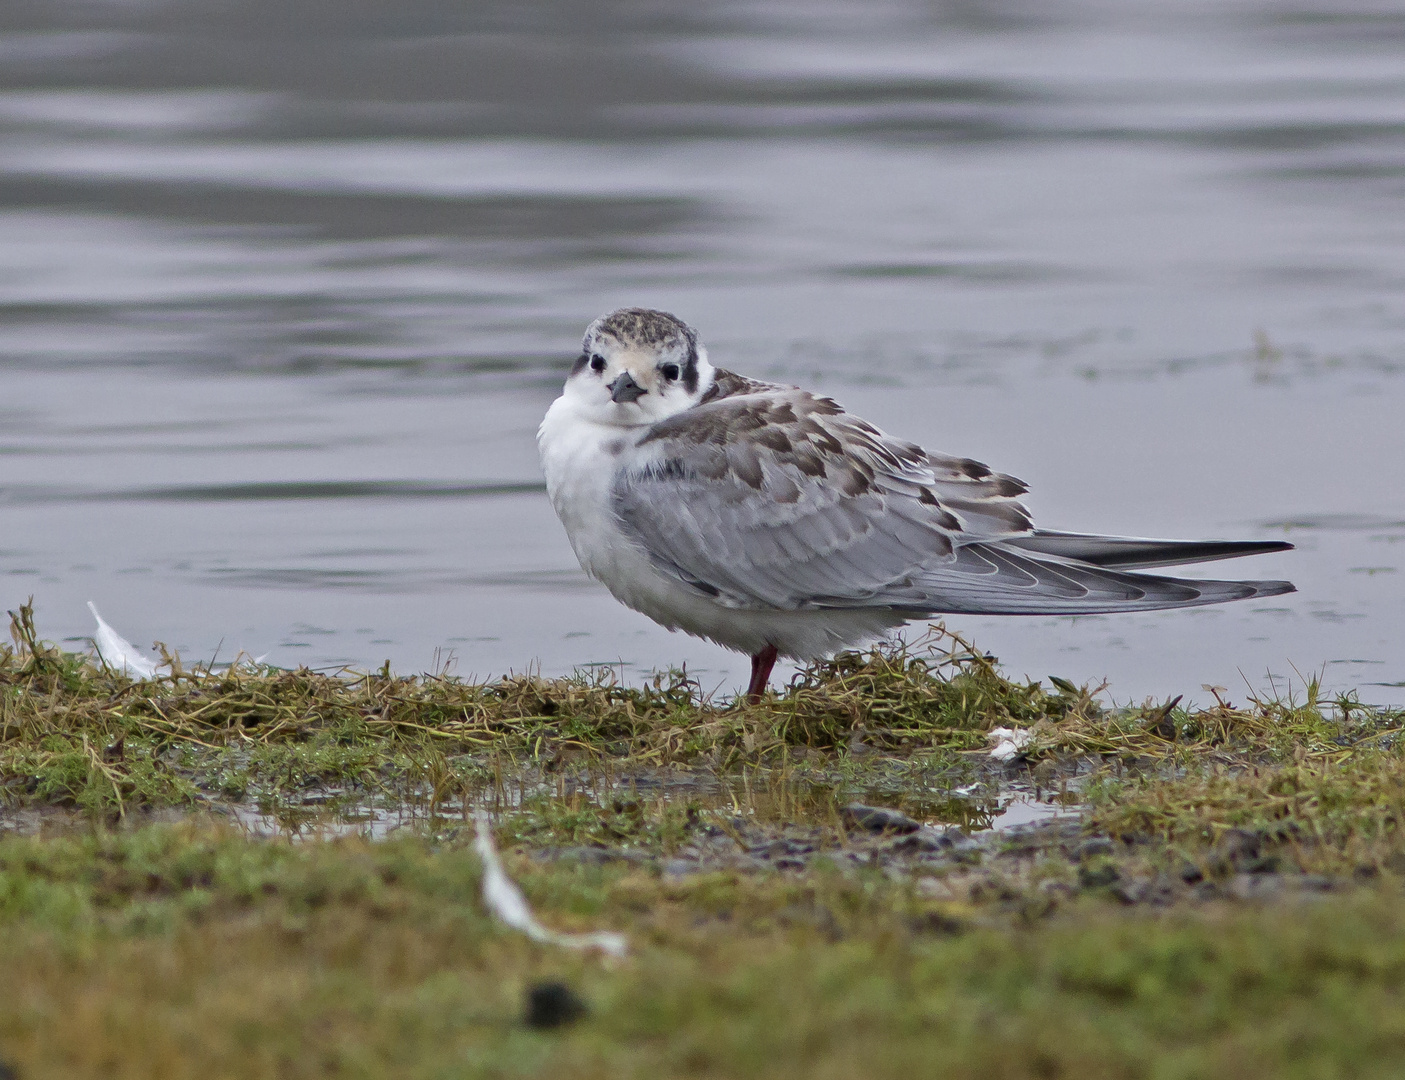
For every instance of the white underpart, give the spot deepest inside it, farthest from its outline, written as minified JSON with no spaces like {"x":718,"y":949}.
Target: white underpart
{"x":505,"y":900}
{"x":118,"y":653}
{"x":581,"y":457}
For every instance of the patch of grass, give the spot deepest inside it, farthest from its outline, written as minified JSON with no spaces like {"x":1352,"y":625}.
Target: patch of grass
{"x":72,"y":731}
{"x":75,"y":733}
{"x":184,"y":951}
{"x":1270,"y":726}
{"x":904,"y":724}
{"x":1328,"y":814}
{"x":658,"y":827}
{"x":903,"y":696}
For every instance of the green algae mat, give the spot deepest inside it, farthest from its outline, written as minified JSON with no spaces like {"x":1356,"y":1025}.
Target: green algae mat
{"x":262,"y":873}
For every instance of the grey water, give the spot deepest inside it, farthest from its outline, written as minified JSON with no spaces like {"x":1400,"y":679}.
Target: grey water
{"x":285,"y":288}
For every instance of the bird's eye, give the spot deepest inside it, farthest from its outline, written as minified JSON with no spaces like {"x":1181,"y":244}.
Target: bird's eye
{"x":597,"y":363}
{"x":669,"y":371}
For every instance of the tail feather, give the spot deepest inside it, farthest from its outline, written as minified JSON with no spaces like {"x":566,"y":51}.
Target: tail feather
{"x":1131,"y":553}
{"x":993,"y":579}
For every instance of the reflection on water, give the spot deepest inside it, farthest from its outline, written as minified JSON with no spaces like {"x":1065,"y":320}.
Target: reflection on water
{"x":1026,"y":811}
{"x":758,"y":798}
{"x":285,"y":288}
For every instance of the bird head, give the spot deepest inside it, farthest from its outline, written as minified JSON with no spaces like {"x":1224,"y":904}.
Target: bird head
{"x":638,"y":367}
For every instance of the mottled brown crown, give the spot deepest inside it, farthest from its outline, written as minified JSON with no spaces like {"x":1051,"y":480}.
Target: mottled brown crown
{"x":643,"y":326}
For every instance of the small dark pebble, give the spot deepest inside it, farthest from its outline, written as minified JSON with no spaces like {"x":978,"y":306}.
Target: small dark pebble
{"x":1097,"y":875}
{"x":776,"y":849}
{"x":960,"y":841}
{"x":964,"y":849}
{"x":925,"y":839}
{"x":1093,"y":847}
{"x":877,"y":819}
{"x":553,"y":1005}
{"x":1026,"y":839}
{"x":1190,"y":873}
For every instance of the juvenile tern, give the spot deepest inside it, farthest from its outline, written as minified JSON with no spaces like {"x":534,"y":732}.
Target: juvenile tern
{"x":769,"y":520}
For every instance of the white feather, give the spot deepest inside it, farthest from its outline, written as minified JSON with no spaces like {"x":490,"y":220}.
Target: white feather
{"x":118,"y":653}
{"x":505,"y":900}
{"x":1008,"y":741}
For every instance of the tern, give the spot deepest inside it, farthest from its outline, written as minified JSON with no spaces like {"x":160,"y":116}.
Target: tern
{"x":771,"y":521}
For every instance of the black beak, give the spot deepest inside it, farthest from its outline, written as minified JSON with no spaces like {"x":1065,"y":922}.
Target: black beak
{"x":626,"y":389}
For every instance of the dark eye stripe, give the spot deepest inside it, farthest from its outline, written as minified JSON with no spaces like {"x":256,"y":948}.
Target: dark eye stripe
{"x":690,"y":366}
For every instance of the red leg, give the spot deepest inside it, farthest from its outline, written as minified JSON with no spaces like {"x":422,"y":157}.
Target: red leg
{"x":761,"y":665}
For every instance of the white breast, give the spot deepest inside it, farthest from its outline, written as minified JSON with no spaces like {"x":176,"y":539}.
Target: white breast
{"x":581,"y":459}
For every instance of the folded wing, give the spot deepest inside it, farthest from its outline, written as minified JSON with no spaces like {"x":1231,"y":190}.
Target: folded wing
{"x":769,"y":497}
{"x":776,"y":498}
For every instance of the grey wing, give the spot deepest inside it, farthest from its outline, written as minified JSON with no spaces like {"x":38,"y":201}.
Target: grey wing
{"x":779,"y":499}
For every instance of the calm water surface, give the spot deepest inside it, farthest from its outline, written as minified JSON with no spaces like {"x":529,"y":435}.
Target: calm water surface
{"x":285,"y":288}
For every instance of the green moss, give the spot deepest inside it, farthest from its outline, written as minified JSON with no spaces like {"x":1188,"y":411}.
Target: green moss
{"x":192,"y":951}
